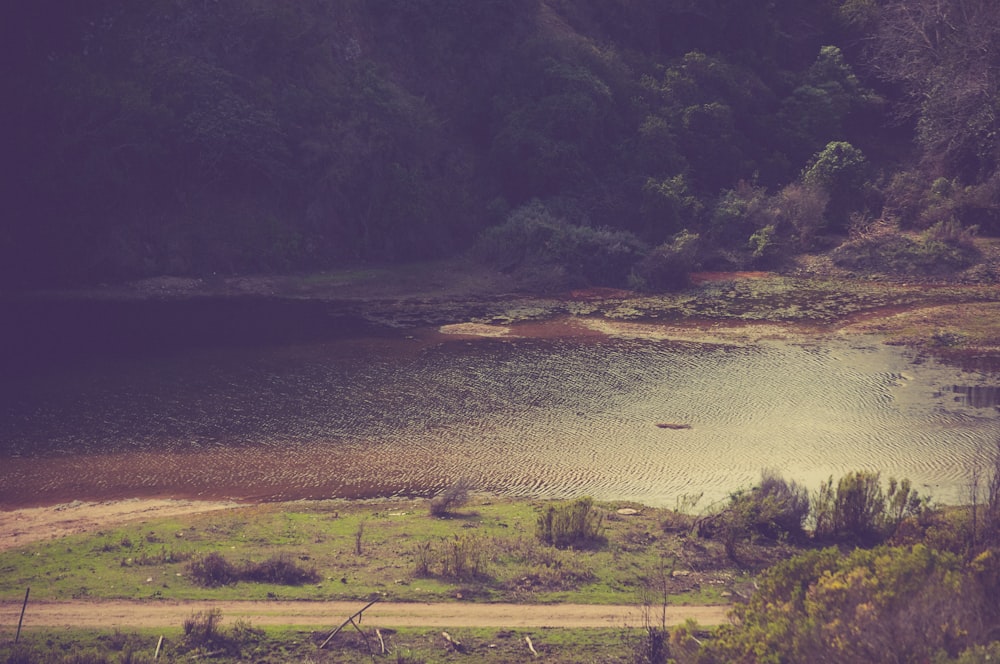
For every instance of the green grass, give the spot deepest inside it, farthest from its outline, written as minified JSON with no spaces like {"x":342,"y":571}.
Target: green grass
{"x":280,"y":644}
{"x":504,"y":560}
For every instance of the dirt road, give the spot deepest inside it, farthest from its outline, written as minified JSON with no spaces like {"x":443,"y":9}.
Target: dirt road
{"x":330,"y":614}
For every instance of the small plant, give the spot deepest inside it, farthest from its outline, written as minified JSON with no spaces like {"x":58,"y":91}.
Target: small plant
{"x":460,"y":558}
{"x":359,"y":534}
{"x":202,"y":629}
{"x":213,"y":571}
{"x":278,"y":570}
{"x":451,"y":498}
{"x":577,"y":524}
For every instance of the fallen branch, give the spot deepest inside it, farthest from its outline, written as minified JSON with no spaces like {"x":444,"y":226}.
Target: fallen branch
{"x":349,"y":621}
{"x":531,"y":646}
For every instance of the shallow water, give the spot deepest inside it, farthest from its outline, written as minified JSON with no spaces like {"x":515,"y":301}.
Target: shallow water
{"x":551,"y":417}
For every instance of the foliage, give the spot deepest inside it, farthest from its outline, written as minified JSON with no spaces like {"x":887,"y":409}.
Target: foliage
{"x":941,"y":54}
{"x":776,"y":508}
{"x":841,"y":170}
{"x":891,"y":604}
{"x":203,"y":631}
{"x":451,"y":498}
{"x":577,"y":524}
{"x":460,"y":558}
{"x":194,"y":137}
{"x":533,"y":238}
{"x":859,"y":511}
{"x":214,"y":570}
{"x":668,"y":266}
{"x":900,"y":254}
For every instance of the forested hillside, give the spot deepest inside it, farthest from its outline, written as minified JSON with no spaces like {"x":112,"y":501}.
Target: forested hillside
{"x":607,"y":141}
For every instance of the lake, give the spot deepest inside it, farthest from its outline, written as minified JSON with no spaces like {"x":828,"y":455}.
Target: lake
{"x":558,"y":409}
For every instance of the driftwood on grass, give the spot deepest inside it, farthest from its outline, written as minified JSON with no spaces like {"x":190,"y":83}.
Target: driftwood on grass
{"x":531,"y":646}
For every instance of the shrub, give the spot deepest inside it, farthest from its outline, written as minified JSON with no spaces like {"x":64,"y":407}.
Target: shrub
{"x":461,"y":558}
{"x":899,"y":254}
{"x":951,"y":232}
{"x":215,"y":570}
{"x":212,"y":571}
{"x":668,"y":266}
{"x":737,"y":213}
{"x":202,"y":629}
{"x":577,"y":524}
{"x":451,"y":498}
{"x":784,"y":505}
{"x":801,"y":207}
{"x":901,"y":604}
{"x":858,"y":506}
{"x":841,"y":170}
{"x":278,"y":570}
{"x":533,"y":241}
{"x":859,"y":511}
{"x":765,"y":245}
{"x":776,"y":508}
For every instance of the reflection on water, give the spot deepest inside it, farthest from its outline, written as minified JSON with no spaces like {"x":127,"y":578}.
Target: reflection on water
{"x":977,"y":396}
{"x":540,"y":417}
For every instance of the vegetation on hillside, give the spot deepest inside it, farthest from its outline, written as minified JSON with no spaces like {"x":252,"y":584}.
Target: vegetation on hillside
{"x":193,"y":137}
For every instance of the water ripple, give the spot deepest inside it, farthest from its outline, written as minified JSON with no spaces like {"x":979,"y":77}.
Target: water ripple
{"x":519,"y":416}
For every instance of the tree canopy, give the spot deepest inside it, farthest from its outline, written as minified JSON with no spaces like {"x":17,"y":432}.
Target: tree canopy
{"x":189,"y":137}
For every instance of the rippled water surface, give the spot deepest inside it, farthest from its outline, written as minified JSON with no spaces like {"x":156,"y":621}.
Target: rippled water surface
{"x":540,"y":417}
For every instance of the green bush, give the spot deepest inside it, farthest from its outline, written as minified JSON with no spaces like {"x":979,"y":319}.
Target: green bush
{"x":774,"y":509}
{"x":899,"y":254}
{"x":577,"y":524}
{"x":841,"y":170}
{"x":214,"y":570}
{"x":459,"y":558}
{"x":859,"y":506}
{"x":899,"y":604}
{"x":278,"y":570}
{"x":668,"y":266}
{"x":533,"y":240}
{"x":203,"y":631}
{"x":859,"y":511}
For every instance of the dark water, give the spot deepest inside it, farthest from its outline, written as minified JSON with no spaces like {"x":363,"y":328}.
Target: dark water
{"x":524,"y":416}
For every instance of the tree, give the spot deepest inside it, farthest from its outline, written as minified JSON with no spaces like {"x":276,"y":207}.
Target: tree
{"x":944,"y":55}
{"x":841,"y":170}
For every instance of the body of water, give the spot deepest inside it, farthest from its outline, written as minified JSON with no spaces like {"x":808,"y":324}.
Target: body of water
{"x":550,"y":416}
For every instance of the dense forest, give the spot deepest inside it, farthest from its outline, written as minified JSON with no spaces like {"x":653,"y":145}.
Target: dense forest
{"x":607,"y":141}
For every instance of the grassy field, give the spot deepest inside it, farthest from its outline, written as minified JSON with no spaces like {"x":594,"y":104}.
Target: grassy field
{"x":485,"y":551}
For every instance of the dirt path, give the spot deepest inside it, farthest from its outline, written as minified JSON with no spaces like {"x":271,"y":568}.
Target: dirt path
{"x":127,"y":614}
